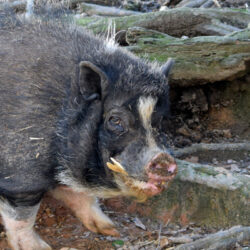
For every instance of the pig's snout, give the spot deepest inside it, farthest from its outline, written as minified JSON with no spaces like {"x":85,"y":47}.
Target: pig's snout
{"x":162,"y":167}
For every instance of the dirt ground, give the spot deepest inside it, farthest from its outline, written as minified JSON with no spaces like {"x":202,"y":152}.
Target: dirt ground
{"x":63,"y":231}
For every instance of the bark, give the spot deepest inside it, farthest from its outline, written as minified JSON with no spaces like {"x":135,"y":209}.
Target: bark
{"x":214,"y":177}
{"x":179,"y":22}
{"x":101,"y":2}
{"x":191,"y":3}
{"x":199,"y":60}
{"x":93,"y":9}
{"x":218,"y":147}
{"x":201,"y":194}
{"x":221,"y":240}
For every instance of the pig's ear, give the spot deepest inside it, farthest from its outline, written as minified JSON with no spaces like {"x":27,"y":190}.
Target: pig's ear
{"x":92,"y":81}
{"x":167,"y":67}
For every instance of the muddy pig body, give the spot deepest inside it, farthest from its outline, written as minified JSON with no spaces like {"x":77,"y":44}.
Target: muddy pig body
{"x":80,"y":118}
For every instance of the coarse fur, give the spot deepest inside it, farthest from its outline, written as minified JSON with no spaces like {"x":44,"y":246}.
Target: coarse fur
{"x":68,"y":102}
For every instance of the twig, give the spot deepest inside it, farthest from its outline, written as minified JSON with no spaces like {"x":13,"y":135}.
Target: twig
{"x":145,"y":243}
{"x":159,"y":237}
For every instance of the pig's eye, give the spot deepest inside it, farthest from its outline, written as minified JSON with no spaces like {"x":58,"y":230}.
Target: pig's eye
{"x":115,"y":124}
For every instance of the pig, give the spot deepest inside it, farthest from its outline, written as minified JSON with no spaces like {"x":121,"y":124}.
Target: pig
{"x":80,"y":118}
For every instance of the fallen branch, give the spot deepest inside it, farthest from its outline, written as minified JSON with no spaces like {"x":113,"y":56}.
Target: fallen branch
{"x":191,"y":3}
{"x":74,"y":3}
{"x":203,"y":147}
{"x":221,"y":240}
{"x":93,"y":9}
{"x":214,"y":177}
{"x":179,"y":22}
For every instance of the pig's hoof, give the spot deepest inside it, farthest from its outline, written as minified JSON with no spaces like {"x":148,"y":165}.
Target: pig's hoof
{"x":29,"y":241}
{"x":101,"y":225}
{"x":98,"y":222}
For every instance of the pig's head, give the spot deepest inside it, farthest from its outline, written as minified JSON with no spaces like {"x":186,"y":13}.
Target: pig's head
{"x":130,"y":146}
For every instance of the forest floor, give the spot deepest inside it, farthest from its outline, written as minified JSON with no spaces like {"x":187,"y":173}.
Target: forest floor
{"x":63,"y":231}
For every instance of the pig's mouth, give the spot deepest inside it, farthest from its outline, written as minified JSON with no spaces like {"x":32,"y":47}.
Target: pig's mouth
{"x":160,"y":170}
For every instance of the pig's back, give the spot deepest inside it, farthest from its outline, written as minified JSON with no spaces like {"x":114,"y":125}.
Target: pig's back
{"x":35,"y":67}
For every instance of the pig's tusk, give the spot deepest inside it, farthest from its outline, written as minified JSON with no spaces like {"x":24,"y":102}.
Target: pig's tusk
{"x":116,"y":167}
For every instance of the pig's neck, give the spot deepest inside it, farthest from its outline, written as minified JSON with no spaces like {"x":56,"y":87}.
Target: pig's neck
{"x":77,"y":146}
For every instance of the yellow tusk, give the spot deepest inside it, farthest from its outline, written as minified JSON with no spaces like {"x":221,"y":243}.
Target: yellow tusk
{"x":116,"y":167}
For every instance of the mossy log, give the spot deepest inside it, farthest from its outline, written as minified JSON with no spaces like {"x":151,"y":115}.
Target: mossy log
{"x":199,"y":60}
{"x":202,"y":194}
{"x":178,"y":22}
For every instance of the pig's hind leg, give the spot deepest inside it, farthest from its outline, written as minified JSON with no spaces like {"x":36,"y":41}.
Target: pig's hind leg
{"x":87,"y":209}
{"x":19,"y":223}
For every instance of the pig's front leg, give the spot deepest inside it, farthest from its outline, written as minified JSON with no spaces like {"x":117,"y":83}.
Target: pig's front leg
{"x":19,"y":223}
{"x":87,"y":209}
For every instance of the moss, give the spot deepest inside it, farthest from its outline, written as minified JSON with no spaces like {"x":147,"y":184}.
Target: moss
{"x":203,"y":205}
{"x":207,"y":171}
{"x":84,"y":21}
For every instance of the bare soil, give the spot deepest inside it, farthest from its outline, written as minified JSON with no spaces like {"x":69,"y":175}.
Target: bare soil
{"x":57,"y":226}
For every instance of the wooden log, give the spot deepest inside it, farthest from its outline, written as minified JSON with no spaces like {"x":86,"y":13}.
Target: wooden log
{"x":201,"y":194}
{"x":195,"y":3}
{"x":217,"y":147}
{"x":178,"y":22}
{"x":221,"y":240}
{"x":214,"y":177}
{"x":198,"y":60}
{"x":94,"y":9}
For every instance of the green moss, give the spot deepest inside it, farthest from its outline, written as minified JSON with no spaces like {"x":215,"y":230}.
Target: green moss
{"x":207,"y":171}
{"x":84,"y":21}
{"x":203,"y":205}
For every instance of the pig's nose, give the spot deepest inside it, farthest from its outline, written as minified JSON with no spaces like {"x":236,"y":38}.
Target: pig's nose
{"x":162,"y":165}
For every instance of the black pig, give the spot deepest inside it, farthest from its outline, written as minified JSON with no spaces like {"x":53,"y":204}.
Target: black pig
{"x":80,"y":118}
